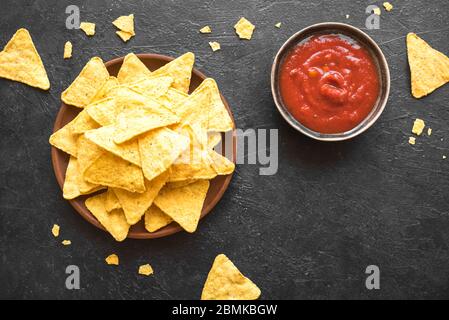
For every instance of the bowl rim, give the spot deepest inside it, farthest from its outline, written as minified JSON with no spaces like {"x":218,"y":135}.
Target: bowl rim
{"x":171,"y":228}
{"x":384,"y":90}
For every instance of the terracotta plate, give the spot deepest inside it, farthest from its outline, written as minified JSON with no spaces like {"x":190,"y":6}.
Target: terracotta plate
{"x":60,"y":160}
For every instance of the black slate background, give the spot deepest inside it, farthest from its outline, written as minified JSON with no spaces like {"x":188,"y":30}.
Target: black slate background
{"x":307,"y":232}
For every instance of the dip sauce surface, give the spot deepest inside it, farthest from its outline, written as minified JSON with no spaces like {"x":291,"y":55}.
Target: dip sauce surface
{"x":329,"y":83}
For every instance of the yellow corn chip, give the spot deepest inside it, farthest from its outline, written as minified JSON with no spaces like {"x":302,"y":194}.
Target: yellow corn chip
{"x":125,"y":36}
{"x":114,"y":222}
{"x":146,"y":270}
{"x":215,"y":46}
{"x":87,"y":84}
{"x":128,"y":151}
{"x":226,"y":282}
{"x":222,"y":165}
{"x":83,"y":122}
{"x":112,"y":259}
{"x":159,"y":149}
{"x":88,"y":28}
{"x":172,"y":98}
{"x":132,"y":70}
{"x":20,"y":61}
{"x":244,"y":29}
{"x":206,"y":29}
{"x":125,"y":23}
{"x":153,"y":87}
{"x":214,"y":138}
{"x":105,"y":88}
{"x":111,"y":202}
{"x":88,"y":153}
{"x":155,"y":219}
{"x":103,"y":111}
{"x":184,"y":204}
{"x":112,"y":171}
{"x":73,"y":180}
{"x":68,"y":47}
{"x":180,"y":70}
{"x":64,"y":139}
{"x":194,"y":110}
{"x":179,"y":184}
{"x":429,"y":68}
{"x":55,"y":230}
{"x":135,"y":204}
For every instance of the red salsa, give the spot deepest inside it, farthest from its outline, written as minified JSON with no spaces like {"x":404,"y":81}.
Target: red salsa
{"x":329,"y":83}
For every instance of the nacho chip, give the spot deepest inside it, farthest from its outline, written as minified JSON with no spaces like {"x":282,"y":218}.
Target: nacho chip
{"x":64,"y":139}
{"x":128,"y":151}
{"x":87,"y":84}
{"x":83,"y":122}
{"x":215,"y":46}
{"x":125,"y":36}
{"x":206,"y":29}
{"x":112,"y":171}
{"x":20,"y":61}
{"x":88,"y":153}
{"x":112,"y":260}
{"x":135,"y":204}
{"x":156,"y":219}
{"x":172,"y":98}
{"x":103,"y":111}
{"x":195,"y":109}
{"x":146,"y":270}
{"x":114,"y":222}
{"x":184,"y":204}
{"x":429,"y":68}
{"x":88,"y":28}
{"x":153,"y":87}
{"x":418,"y":127}
{"x":244,"y":29}
{"x":111,"y":202}
{"x":226,"y":282}
{"x":159,"y":149}
{"x":214,"y":138}
{"x":105,"y":88}
{"x":179,"y":184}
{"x":125,"y":23}
{"x":66,"y":242}
{"x":55,"y":230}
{"x":68,"y":47}
{"x":180,"y":70}
{"x":222,"y":165}
{"x":132,"y":70}
{"x":74,"y":181}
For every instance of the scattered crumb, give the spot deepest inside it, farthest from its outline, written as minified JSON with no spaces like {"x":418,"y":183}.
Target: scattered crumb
{"x":347,"y":16}
{"x":377,"y":11}
{"x":55,"y":230}
{"x":215,"y":46}
{"x":112,"y":259}
{"x":412,"y":140}
{"x":388,"y":6}
{"x":429,"y":132}
{"x":244,"y":29}
{"x":418,"y":127}
{"x":88,"y":28}
{"x":206,"y":29}
{"x":444,"y":157}
{"x":66,"y":242}
{"x":278,"y":25}
{"x":146,"y":270}
{"x":68,"y":50}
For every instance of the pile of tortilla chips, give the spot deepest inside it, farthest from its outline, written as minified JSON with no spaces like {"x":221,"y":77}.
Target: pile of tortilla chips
{"x":142,"y":139}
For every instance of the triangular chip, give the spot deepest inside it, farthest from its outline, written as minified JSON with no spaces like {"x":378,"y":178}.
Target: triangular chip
{"x":20,"y":61}
{"x":105,"y":88}
{"x":184,"y":204}
{"x":132,"y":70}
{"x":83,"y":122}
{"x":180,"y":70}
{"x":159,"y":148}
{"x":429,"y":67}
{"x":194,"y":110}
{"x":128,"y":151}
{"x":125,"y":36}
{"x":87,"y":84}
{"x":111,"y":201}
{"x":226,"y":282}
{"x":114,"y":222}
{"x":112,"y":171}
{"x":103,"y":111}
{"x":153,"y":87}
{"x":135,"y":204}
{"x":64,"y":139}
{"x":155,"y":219}
{"x":74,"y":182}
{"x":222,"y":165}
{"x":87,"y":153}
{"x":125,"y":23}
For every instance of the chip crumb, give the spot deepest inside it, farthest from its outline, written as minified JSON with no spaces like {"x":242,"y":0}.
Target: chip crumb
{"x":278,"y":25}
{"x":347,"y":16}
{"x":377,"y":11}
{"x":66,"y":242}
{"x":418,"y":127}
{"x":429,"y":132}
{"x":68,"y":50}
{"x":215,"y":46}
{"x":444,"y":157}
{"x":88,"y":28}
{"x":112,"y":259}
{"x":412,"y":140}
{"x":55,"y":230}
{"x":206,"y":29}
{"x":244,"y":29}
{"x":388,"y":6}
{"x":146,"y":270}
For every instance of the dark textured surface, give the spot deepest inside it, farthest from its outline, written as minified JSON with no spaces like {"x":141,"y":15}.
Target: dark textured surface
{"x":307,"y":232}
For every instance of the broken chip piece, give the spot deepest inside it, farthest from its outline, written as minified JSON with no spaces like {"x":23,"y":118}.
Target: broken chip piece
{"x":68,"y":50}
{"x":278,"y":25}
{"x":66,"y":242}
{"x":377,"y":11}
{"x":55,"y":230}
{"x":112,"y":259}
{"x":429,"y":132}
{"x":418,"y":127}
{"x":88,"y":28}
{"x":125,"y":23}
{"x":215,"y":46}
{"x":146,"y":270}
{"x":206,"y":29}
{"x":388,"y":6}
{"x":244,"y":29}
{"x":412,"y":140}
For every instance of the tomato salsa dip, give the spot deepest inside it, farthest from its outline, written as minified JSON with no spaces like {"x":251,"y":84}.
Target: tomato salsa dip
{"x":329,"y":83}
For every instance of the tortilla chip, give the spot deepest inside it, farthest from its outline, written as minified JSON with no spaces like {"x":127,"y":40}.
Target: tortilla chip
{"x":111,"y":202}
{"x":88,"y":153}
{"x":153,"y":87}
{"x":105,"y":88}
{"x":125,"y":36}
{"x":55,"y":230}
{"x":112,"y":259}
{"x":215,"y":46}
{"x":88,"y":28}
{"x":73,"y":180}
{"x":128,"y":151}
{"x":83,"y":122}
{"x":159,"y":149}
{"x":103,"y":111}
{"x":64,"y":139}
{"x":222,"y":165}
{"x":87,"y":84}
{"x":184,"y":204}
{"x":180,"y":70}
{"x":146,"y":270}
{"x":194,"y":110}
{"x":125,"y":23}
{"x":114,"y":222}
{"x":244,"y":29}
{"x":156,"y":219}
{"x":214,"y":138}
{"x":132,"y":70}
{"x":20,"y":61}
{"x":172,"y":98}
{"x":226,"y":282}
{"x":206,"y":29}
{"x":68,"y":47}
{"x":135,"y":204}
{"x":429,"y":68}
{"x":418,"y":127}
{"x":112,"y":171}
